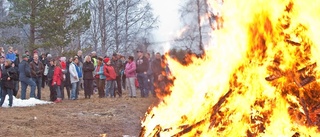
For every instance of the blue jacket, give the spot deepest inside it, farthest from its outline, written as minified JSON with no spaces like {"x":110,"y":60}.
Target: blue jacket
{"x":24,"y":70}
{"x":79,"y":71}
{"x":11,"y":56}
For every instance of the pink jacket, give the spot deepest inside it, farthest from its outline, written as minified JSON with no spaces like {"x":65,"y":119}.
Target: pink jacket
{"x":130,"y":69}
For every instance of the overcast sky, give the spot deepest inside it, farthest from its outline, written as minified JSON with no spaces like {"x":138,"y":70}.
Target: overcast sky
{"x":169,"y":21}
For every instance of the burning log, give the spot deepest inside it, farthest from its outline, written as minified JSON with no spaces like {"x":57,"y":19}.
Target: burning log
{"x":273,"y":77}
{"x":305,"y":75}
{"x":301,"y":78}
{"x":217,"y":106}
{"x":295,"y":43}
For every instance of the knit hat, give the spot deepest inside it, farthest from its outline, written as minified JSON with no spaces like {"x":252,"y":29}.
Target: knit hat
{"x":106,"y":60}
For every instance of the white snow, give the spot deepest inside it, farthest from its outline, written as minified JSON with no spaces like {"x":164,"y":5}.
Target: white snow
{"x":17,"y":102}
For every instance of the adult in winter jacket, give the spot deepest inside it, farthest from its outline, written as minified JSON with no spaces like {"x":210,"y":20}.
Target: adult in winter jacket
{"x":130,"y":72}
{"x":67,"y":83}
{"x":157,"y":70}
{"x":88,"y":69}
{"x":74,"y":78}
{"x":57,"y":79}
{"x":63,"y":64}
{"x":7,"y":74}
{"x":53,"y":94}
{"x":142,"y":64}
{"x":150,"y":75}
{"x":111,"y":75}
{"x":100,"y":77}
{"x":11,"y":55}
{"x":118,"y":67}
{"x":25,"y":77}
{"x":37,"y":69}
{"x":16,"y":67}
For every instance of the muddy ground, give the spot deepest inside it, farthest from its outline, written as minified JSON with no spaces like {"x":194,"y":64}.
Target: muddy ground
{"x":93,"y":117}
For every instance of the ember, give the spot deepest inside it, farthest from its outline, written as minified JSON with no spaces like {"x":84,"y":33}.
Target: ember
{"x":259,"y":79}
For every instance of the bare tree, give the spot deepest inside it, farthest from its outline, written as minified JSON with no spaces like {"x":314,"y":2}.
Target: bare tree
{"x":194,"y":15}
{"x":120,"y":24}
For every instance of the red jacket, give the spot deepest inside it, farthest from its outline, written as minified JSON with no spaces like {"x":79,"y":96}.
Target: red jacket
{"x":57,"y":76}
{"x":109,"y":72}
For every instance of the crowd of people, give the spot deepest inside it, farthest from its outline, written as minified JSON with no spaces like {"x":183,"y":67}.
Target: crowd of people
{"x":108,"y":76}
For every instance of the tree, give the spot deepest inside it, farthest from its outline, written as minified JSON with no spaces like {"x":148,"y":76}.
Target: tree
{"x":121,"y":24}
{"x":198,"y":18}
{"x":66,"y":23}
{"x":52,"y":24}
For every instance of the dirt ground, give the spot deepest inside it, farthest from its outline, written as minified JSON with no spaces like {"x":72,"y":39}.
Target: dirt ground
{"x":93,"y":117}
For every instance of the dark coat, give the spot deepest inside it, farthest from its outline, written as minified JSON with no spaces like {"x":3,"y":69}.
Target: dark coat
{"x":16,"y":63}
{"x":24,"y":70}
{"x":67,"y":82}
{"x":117,"y":65}
{"x":156,"y":67}
{"x":36,"y":69}
{"x":142,"y":65}
{"x":50,"y":73}
{"x":8,"y":71}
{"x":88,"y":69}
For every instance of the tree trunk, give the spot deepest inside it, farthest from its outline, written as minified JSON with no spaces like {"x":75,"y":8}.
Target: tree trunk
{"x":199,"y":24}
{"x":32,"y":24}
{"x":117,"y":33}
{"x":102,"y":23}
{"x":126,"y":29}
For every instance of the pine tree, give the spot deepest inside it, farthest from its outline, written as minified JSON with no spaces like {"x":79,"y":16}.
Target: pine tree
{"x":52,"y":24}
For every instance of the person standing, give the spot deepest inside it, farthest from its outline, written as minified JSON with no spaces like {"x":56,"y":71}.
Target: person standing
{"x":25,"y":77}
{"x":16,"y":67}
{"x":111,"y":75}
{"x":11,"y":55}
{"x":8,"y":75}
{"x":53,"y":94}
{"x":130,"y":72}
{"x":100,"y":77}
{"x":79,"y":54}
{"x":1,"y":69}
{"x":123,"y":76}
{"x":118,"y":66}
{"x":45,"y":63}
{"x":94,"y":58}
{"x":67,"y":83}
{"x":157,"y":70}
{"x":142,"y":68}
{"x":37,"y":69}
{"x":150,"y":75}
{"x":57,"y":79}
{"x":74,"y":78}
{"x":88,"y":68}
{"x":63,"y":65}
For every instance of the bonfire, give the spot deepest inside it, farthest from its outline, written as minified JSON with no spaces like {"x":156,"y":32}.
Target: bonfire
{"x":259,"y":76}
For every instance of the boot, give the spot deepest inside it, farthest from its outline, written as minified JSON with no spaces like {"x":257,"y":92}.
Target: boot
{"x":58,"y":100}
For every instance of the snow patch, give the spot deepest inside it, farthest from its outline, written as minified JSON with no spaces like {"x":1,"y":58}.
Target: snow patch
{"x":17,"y":102}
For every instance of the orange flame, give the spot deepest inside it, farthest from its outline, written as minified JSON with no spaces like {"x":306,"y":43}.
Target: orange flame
{"x":256,"y":81}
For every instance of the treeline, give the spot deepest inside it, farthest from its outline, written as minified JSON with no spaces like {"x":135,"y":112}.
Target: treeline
{"x":64,"y":26}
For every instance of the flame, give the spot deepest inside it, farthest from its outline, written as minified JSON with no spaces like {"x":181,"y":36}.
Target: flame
{"x":256,"y":80}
